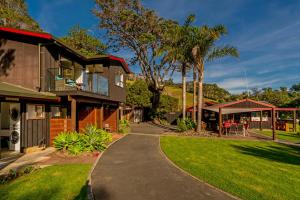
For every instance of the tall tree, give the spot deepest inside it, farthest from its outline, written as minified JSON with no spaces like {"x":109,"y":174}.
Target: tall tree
{"x":14,"y":14}
{"x":133,"y":27}
{"x":79,"y":39}
{"x":180,"y":51}
{"x":296,"y":87}
{"x":194,"y":92}
{"x":205,"y":50}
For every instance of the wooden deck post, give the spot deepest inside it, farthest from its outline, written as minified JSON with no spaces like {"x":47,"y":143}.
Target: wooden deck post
{"x":73,"y":114}
{"x":274,"y":123}
{"x":101,"y":117}
{"x":294,"y":121}
{"x":121,"y":113}
{"x":260,"y":122}
{"x":118,"y":117}
{"x":220,"y":122}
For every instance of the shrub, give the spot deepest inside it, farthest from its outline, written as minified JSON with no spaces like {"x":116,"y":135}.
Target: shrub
{"x":124,"y":126}
{"x":184,"y":125}
{"x":163,"y":122}
{"x":181,"y":126}
{"x":66,"y":139}
{"x":168,"y":103}
{"x":95,"y":139}
{"x":13,"y":174}
{"x":91,"y":139}
{"x":156,"y":114}
{"x":190,"y":123}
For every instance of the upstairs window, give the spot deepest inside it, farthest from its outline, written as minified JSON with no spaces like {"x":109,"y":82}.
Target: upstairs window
{"x":100,"y":84}
{"x":119,"y":80}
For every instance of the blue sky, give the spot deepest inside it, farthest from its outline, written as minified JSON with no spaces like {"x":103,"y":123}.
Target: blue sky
{"x":266,"y":32}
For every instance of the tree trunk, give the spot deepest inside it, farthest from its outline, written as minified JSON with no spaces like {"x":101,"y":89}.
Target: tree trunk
{"x":195,"y":93}
{"x":155,"y":99}
{"x":200,"y":100}
{"x":183,"y":91}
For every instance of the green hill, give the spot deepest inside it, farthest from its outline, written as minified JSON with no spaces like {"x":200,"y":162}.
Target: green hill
{"x":176,"y":92}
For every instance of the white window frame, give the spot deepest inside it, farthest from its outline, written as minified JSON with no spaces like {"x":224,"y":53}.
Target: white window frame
{"x":119,"y":83}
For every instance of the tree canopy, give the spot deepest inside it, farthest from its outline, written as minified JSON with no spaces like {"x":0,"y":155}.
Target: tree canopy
{"x":281,"y":97}
{"x":296,"y":87}
{"x":79,"y":39}
{"x":14,"y":14}
{"x":138,"y":29}
{"x":138,"y":94}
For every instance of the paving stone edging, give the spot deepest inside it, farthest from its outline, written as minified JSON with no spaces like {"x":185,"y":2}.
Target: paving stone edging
{"x":194,"y":177}
{"x":89,"y":179}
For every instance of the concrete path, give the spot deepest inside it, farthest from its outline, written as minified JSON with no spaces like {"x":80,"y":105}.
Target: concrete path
{"x":28,"y":159}
{"x":148,"y":128}
{"x":135,"y":169}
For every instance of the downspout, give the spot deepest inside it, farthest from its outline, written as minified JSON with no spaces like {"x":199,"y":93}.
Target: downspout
{"x":39,"y":68}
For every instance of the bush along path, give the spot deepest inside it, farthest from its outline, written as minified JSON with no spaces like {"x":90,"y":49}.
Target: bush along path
{"x":91,"y":139}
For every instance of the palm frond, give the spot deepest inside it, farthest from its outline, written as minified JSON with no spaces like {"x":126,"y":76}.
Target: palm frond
{"x":220,"y":52}
{"x":189,"y":20}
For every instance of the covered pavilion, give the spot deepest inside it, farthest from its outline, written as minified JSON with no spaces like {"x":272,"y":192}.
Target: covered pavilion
{"x":250,"y":106}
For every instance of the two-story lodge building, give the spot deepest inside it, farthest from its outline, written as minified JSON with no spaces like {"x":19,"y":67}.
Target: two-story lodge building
{"x":47,"y":87}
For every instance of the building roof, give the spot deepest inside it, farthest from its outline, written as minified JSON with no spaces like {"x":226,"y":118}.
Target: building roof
{"x":244,"y":105}
{"x":49,"y":37}
{"x":11,"y":90}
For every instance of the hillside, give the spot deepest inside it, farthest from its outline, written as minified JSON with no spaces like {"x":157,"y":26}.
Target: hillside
{"x":176,"y":92}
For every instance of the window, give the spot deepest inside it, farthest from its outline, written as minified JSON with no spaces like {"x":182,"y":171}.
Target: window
{"x":55,"y":112}
{"x":35,"y":111}
{"x":100,"y":84}
{"x":103,"y":85}
{"x":255,"y":116}
{"x":119,"y":80}
{"x":58,"y":112}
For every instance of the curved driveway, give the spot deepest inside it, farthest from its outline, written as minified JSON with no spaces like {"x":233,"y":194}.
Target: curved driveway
{"x":135,"y":169}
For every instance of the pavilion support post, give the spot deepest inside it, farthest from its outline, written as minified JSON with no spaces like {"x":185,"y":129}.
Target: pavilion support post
{"x":260,"y":121}
{"x":220,"y":122}
{"x":274,"y":123}
{"x":294,"y":121}
{"x":73,"y":114}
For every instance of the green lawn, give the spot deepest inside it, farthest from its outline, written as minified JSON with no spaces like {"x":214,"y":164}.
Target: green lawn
{"x":282,"y":135}
{"x":59,"y":182}
{"x":247,"y":169}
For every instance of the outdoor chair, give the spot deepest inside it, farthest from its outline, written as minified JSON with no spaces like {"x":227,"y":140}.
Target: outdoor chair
{"x":107,"y":128}
{"x":240,"y":129}
{"x":233,"y":129}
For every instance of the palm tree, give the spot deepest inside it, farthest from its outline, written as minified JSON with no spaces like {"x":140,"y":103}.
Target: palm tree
{"x":180,"y":50}
{"x":204,"y":51}
{"x":194,"y":92}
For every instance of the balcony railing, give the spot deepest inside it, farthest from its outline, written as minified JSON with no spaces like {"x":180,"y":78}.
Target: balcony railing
{"x":88,"y":82}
